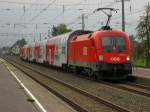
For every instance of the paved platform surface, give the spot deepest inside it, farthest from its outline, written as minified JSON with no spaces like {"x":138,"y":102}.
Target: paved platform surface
{"x":50,"y":102}
{"x":12,"y":96}
{"x":141,"y":72}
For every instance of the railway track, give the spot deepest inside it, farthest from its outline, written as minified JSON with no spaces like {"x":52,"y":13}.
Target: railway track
{"x":77,"y":98}
{"x":138,"y":85}
{"x":131,"y":87}
{"x":126,"y":86}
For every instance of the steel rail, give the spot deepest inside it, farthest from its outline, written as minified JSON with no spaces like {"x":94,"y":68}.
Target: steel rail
{"x":122,"y":87}
{"x":101,"y":100}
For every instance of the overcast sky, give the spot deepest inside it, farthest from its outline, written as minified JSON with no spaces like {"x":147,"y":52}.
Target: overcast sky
{"x":28,"y":18}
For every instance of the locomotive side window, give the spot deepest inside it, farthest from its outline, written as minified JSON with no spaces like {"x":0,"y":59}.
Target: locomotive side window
{"x":113,"y":44}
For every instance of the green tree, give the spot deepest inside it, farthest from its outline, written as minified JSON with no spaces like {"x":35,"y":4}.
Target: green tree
{"x":60,"y":29}
{"x":17,"y":45}
{"x":143,"y":29}
{"x":20,"y":43}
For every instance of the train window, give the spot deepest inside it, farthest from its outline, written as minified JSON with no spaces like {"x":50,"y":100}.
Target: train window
{"x":63,"y":50}
{"x":56,"y":50}
{"x":113,"y":44}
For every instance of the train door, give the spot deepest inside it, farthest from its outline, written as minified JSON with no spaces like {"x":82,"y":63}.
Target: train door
{"x":37,"y":51}
{"x":32,"y":58}
{"x":57,"y":56}
{"x":49,"y":56}
{"x":52,"y":54}
{"x":41,"y":54}
{"x":63,"y":54}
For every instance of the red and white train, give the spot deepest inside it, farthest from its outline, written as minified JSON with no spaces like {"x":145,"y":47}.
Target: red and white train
{"x":105,"y":54}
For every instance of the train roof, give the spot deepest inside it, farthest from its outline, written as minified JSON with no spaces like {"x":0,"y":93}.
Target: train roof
{"x":111,"y":31}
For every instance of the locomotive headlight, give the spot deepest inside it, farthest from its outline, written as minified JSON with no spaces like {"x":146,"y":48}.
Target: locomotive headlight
{"x":100,"y":57}
{"x":128,"y":58}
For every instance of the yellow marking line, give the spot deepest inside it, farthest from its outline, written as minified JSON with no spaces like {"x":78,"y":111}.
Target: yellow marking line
{"x":25,"y":88}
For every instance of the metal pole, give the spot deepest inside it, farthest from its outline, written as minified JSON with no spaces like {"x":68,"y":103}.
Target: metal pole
{"x":83,"y":24}
{"x":123,"y":17}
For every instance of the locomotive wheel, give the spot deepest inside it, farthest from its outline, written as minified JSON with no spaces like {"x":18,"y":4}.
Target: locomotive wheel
{"x":65,"y":68}
{"x":90,"y":73}
{"x":78,"y":70}
{"x":98,"y":75}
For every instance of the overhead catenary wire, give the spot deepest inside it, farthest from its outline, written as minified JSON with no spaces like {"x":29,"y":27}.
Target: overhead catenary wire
{"x":48,"y":6}
{"x":36,"y":16}
{"x":30,"y":3}
{"x":118,"y":17}
{"x":51,"y":3}
{"x":89,"y":14}
{"x":110,"y":3}
{"x":72,"y":22}
{"x":50,"y":9}
{"x":30,"y":6}
{"x":63,"y":12}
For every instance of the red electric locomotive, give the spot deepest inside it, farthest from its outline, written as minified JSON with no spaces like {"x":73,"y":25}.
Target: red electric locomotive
{"x":105,"y":54}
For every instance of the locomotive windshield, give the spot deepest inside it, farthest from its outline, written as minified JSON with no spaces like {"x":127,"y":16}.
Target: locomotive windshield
{"x":113,"y":44}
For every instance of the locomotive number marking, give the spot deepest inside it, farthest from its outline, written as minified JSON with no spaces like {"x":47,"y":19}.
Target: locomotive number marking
{"x":85,"y":51}
{"x":115,"y":59}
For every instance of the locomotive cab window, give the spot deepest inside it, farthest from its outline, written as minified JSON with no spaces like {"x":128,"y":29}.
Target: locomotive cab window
{"x":113,"y":44}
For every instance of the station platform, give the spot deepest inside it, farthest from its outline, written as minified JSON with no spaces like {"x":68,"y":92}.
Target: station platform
{"x":14,"y":98}
{"x":141,"y":76}
{"x":142,"y":72}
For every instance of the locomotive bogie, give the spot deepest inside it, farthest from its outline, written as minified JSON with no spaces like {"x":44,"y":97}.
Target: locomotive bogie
{"x":113,"y":71}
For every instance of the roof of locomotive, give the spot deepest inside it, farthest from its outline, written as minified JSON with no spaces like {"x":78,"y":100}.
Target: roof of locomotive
{"x":110,"y":31}
{"x":99,"y":32}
